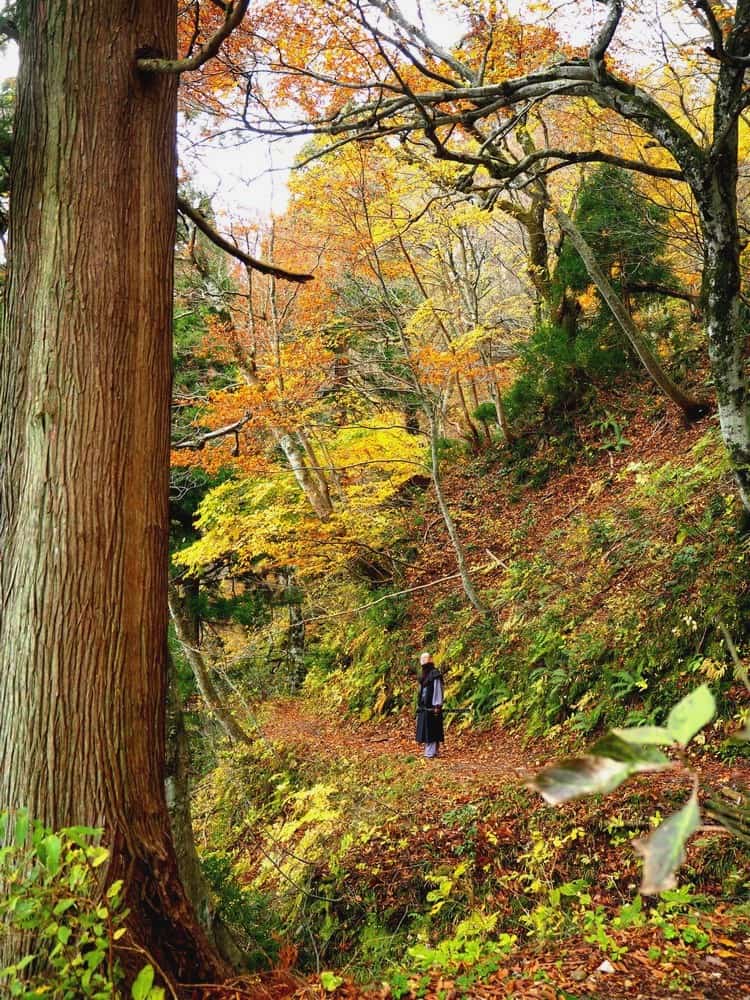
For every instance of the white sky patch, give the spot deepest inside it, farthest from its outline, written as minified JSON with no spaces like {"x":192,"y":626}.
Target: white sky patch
{"x":8,"y":61}
{"x":246,"y":178}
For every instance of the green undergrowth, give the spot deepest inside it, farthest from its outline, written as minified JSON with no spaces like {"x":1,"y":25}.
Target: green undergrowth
{"x":604,"y":617}
{"x":366,"y":873}
{"x":607,"y":620}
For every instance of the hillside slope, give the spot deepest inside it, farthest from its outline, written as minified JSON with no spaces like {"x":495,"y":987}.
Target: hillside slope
{"x":608,"y":568}
{"x":608,"y":562}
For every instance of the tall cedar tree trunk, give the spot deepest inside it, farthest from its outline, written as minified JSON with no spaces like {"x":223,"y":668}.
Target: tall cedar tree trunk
{"x":84,"y":437}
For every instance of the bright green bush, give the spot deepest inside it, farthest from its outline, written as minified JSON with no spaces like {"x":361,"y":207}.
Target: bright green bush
{"x":53,"y":907}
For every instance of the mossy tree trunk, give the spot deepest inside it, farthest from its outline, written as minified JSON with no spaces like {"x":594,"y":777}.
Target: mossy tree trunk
{"x":726,"y":317}
{"x":85,"y":374}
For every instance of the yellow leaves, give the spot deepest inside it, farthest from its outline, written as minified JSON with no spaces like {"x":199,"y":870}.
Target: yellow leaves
{"x":262,"y":521}
{"x":589,"y":300}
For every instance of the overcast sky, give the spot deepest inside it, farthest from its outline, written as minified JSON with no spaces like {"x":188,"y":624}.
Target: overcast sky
{"x":249,"y":180}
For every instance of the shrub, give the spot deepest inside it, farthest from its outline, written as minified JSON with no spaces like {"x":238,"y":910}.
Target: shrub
{"x":54,"y":908}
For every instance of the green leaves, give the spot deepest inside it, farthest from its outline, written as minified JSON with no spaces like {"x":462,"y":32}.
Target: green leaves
{"x":686,"y":719}
{"x":53,"y":895}
{"x":623,"y":752}
{"x":607,"y":764}
{"x":143,"y":982}
{"x":663,"y":851}
{"x":22,"y":828}
{"x":691,"y":714}
{"x":646,"y":735}
{"x":330,"y":981}
{"x":49,"y":851}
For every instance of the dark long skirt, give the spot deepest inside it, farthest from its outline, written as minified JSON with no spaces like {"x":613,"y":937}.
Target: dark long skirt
{"x":430,"y":727}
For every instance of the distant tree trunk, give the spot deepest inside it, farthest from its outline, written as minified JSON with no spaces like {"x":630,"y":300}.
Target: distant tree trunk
{"x":85,"y":372}
{"x":690,"y":405}
{"x":458,"y":549}
{"x":497,"y":398}
{"x":312,"y":482}
{"x":306,"y":480}
{"x":178,"y":801}
{"x":315,"y":468}
{"x":502,"y":417}
{"x":531,"y":219}
{"x":726,"y":328}
{"x":538,"y":266}
{"x":295,"y":634}
{"x":187,"y":636}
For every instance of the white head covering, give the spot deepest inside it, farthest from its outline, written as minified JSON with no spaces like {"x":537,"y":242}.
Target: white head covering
{"x":425,"y":658}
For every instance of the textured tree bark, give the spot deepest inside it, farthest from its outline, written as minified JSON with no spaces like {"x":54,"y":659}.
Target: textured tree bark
{"x":84,"y":434}
{"x":726,"y":332}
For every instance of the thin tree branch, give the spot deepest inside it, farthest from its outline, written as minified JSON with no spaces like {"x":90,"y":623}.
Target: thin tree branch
{"x":395,"y":15}
{"x":592,"y":156}
{"x":387,"y":597}
{"x":233,"y":15}
{"x":199,"y":443}
{"x":202,"y":223}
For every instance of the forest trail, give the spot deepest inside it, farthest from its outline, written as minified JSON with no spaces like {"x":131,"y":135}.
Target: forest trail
{"x":487,"y":755}
{"x":477,"y":768}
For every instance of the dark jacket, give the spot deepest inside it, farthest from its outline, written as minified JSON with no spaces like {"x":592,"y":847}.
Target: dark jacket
{"x":429,"y":723}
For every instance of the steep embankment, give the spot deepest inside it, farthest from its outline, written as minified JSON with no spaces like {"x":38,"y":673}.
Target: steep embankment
{"x":608,"y":567}
{"x":609,"y":560}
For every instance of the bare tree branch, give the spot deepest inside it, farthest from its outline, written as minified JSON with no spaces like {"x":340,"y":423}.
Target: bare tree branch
{"x":233,"y":15}
{"x":199,"y":443}
{"x":395,"y":15}
{"x":202,"y":223}
{"x":599,"y":49}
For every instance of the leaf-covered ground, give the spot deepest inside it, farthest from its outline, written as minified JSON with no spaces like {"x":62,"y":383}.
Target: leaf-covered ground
{"x":387,"y":875}
{"x":469,"y":807}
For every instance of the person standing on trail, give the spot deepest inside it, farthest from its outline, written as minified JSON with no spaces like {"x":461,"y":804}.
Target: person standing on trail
{"x":430,"y":707}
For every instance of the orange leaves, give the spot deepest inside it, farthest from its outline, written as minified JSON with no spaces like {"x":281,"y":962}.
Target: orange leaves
{"x":438,"y":367}
{"x":515,"y":47}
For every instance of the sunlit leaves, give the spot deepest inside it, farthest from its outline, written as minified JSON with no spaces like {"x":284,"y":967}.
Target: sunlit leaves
{"x":691,"y":714}
{"x":646,"y":735}
{"x":686,"y":719}
{"x":264,"y":521}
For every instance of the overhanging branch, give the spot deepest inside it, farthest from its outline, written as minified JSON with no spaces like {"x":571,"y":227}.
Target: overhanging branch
{"x":233,"y":15}
{"x":202,"y":223}
{"x":199,"y":443}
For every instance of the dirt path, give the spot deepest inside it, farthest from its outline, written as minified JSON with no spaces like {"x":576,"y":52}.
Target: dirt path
{"x":490,"y":755}
{"x":484,"y":756}
{"x":478,"y":765}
